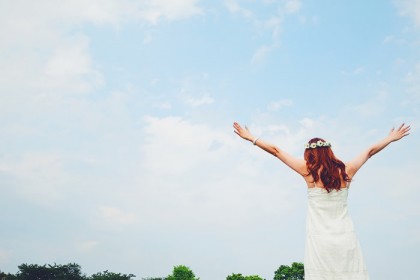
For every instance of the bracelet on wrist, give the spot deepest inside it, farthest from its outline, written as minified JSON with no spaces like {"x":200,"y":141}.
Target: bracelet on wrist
{"x":255,"y":141}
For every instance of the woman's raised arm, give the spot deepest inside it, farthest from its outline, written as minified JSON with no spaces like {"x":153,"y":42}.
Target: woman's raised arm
{"x":298,"y":165}
{"x":394,"y":135}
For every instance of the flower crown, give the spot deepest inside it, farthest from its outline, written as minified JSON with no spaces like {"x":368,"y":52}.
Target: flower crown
{"x":317,"y":144}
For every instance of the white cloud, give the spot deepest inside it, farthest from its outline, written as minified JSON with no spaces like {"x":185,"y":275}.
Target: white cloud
{"x":154,"y":10}
{"x":185,"y":169}
{"x":164,"y":105}
{"x":70,"y":68}
{"x":114,"y":216}
{"x":394,"y":39}
{"x":356,"y":71}
{"x":205,"y":99}
{"x":234,"y":7}
{"x":412,"y":81}
{"x":87,"y":246}
{"x":261,"y":53}
{"x":62,"y":68}
{"x":410,"y":8}
{"x":293,"y":6}
{"x":413,"y":78}
{"x":278,"y":105}
{"x":43,"y":46}
{"x":174,"y":140}
{"x":272,"y":23}
{"x":4,"y":256}
{"x":193,"y":91}
{"x":307,"y":123}
{"x":39,"y":176}
{"x":22,"y":14}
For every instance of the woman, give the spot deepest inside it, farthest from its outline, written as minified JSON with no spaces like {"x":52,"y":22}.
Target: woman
{"x":332,"y":250}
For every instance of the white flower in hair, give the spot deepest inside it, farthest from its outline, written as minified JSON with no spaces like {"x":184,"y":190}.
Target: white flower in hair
{"x":316,"y":144}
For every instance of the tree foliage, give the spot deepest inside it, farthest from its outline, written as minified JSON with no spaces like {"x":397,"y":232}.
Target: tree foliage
{"x":72,"y":271}
{"x":241,"y":277}
{"x":182,"y":272}
{"x":7,"y":276}
{"x":106,"y":275}
{"x":293,"y":272}
{"x":69,"y":271}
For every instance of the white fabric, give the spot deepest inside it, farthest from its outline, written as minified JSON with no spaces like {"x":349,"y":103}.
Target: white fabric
{"x":332,"y":250}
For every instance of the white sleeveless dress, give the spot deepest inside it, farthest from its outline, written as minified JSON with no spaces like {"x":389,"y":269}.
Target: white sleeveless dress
{"x":332,"y":251}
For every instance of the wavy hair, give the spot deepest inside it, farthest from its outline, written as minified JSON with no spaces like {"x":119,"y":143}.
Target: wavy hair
{"x":323,"y":165}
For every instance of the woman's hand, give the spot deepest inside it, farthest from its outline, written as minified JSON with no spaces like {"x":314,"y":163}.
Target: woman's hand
{"x":243,"y":132}
{"x":402,"y":131}
{"x":394,"y":135}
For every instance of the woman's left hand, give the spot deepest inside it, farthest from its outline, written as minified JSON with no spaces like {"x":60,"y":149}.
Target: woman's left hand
{"x":243,"y":132}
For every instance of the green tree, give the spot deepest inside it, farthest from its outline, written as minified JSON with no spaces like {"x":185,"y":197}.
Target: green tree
{"x":241,"y":277}
{"x":7,"y":276}
{"x":253,"y":277}
{"x":106,"y":275}
{"x":235,"y":277}
{"x":293,"y":272}
{"x":69,"y":271}
{"x":182,"y":272}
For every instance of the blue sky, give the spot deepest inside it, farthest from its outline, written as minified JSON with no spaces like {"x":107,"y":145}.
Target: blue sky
{"x":117,"y":148}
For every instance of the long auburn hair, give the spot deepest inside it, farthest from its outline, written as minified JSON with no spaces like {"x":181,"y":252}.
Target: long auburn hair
{"x":323,"y":165}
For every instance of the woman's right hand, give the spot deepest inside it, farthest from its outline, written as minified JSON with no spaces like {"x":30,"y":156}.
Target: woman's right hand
{"x":402,"y":131}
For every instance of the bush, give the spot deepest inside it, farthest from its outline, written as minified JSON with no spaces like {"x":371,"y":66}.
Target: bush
{"x":241,"y":277}
{"x":181,"y":272}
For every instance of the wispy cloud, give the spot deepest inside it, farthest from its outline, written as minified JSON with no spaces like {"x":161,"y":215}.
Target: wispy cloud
{"x":356,"y":71}
{"x":114,"y":216}
{"x":372,"y":107}
{"x":273,"y":23}
{"x":193,"y":91}
{"x":278,"y":105}
{"x":70,"y":68}
{"x":54,"y":53}
{"x":87,"y":246}
{"x":205,"y":99}
{"x":262,"y":52}
{"x":113,"y":12}
{"x":174,"y":139}
{"x":410,"y":8}
{"x":292,"y":6}
{"x":154,"y":10}
{"x":412,"y":81}
{"x":234,"y":7}
{"x":4,"y":256}
{"x":39,"y":176}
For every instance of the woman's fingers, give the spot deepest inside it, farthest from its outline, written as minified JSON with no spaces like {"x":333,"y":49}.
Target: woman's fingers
{"x":402,"y":131}
{"x":401,"y":126}
{"x":406,"y":131}
{"x":238,"y":128}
